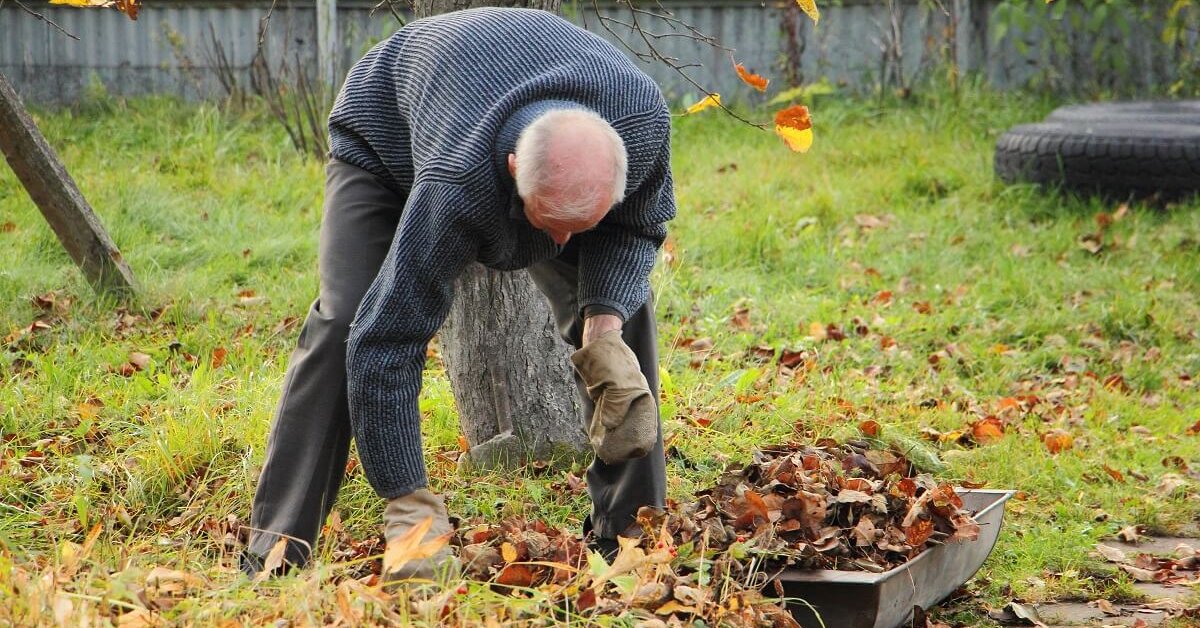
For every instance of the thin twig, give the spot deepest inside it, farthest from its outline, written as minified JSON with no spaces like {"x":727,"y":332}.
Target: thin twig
{"x":263,"y":23}
{"x":45,"y":19}
{"x":655,"y":55}
{"x":391,"y":7}
{"x":685,"y":75}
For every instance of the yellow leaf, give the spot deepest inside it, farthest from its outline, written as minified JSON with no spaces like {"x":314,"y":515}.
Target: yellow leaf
{"x":810,"y":8}
{"x":799,"y":140}
{"x":273,"y":561}
{"x":508,"y":552}
{"x":712,"y":100}
{"x":672,"y":607}
{"x":84,"y":3}
{"x":408,"y":546}
{"x":794,"y":125}
{"x":1058,"y":441}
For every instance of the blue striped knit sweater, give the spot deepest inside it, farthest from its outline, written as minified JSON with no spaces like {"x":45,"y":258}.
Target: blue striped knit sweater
{"x":434,"y":111}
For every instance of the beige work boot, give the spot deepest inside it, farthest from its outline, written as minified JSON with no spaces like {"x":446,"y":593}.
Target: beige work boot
{"x":418,"y":532}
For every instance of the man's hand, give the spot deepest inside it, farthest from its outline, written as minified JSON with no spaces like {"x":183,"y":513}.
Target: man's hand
{"x":624,"y":424}
{"x":596,"y":326}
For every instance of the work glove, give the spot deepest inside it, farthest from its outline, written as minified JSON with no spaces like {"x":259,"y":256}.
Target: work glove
{"x":410,"y":558}
{"x":624,"y":424}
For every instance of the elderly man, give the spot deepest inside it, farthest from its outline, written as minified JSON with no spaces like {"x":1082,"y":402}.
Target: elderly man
{"x":515,"y":139}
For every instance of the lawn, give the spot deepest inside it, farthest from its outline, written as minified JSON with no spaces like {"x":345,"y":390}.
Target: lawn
{"x":924,"y":295}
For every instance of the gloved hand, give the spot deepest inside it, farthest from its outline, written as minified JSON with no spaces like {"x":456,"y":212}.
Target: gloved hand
{"x":409,"y":558}
{"x":625,"y":422}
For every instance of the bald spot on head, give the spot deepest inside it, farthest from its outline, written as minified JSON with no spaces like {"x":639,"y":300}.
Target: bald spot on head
{"x":579,"y":164}
{"x":569,"y":167}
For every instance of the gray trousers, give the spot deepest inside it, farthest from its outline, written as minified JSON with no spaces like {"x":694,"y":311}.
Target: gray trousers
{"x":309,"y":441}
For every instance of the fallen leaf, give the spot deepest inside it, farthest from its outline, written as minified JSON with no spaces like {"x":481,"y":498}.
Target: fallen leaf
{"x":1114,"y":474}
{"x":1107,"y":608}
{"x":139,"y":360}
{"x":515,"y":576}
{"x":273,"y":561}
{"x":1130,"y":534}
{"x":1058,"y":441}
{"x":411,"y":546}
{"x":741,"y":318}
{"x":1092,"y":243}
{"x":1138,"y":574}
{"x":1026,"y":612}
{"x":1169,"y":483}
{"x":218,"y":357}
{"x":508,"y":552}
{"x":1111,"y":554}
{"x":919,"y":532}
{"x":586,"y":599}
{"x":870,"y":221}
{"x":987,"y":430}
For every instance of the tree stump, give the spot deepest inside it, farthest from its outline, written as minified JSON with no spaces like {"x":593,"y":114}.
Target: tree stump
{"x":510,"y":373}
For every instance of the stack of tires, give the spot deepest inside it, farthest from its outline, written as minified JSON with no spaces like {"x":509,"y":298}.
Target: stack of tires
{"x":1113,"y":149}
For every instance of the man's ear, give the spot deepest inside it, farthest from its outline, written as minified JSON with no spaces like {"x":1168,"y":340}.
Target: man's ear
{"x":512,"y":165}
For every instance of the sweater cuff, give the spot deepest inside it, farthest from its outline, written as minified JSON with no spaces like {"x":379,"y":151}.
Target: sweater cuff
{"x":618,"y":309}
{"x":597,"y":309}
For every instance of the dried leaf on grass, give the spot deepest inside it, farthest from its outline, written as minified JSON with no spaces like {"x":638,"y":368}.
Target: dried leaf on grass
{"x":1182,"y":567}
{"x":410,"y":546}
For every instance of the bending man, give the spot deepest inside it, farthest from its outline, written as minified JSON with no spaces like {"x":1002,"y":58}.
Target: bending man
{"x":515,"y":139}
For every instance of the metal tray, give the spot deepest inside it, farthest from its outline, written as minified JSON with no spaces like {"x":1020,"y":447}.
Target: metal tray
{"x":856,"y":599}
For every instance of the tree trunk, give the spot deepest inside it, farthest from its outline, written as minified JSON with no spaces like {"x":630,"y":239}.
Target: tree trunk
{"x":508,"y":368}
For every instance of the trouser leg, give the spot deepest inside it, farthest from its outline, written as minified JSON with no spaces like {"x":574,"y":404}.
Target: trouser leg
{"x":617,"y":490}
{"x":310,"y":436}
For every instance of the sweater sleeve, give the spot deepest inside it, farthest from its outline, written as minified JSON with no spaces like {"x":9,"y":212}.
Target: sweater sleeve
{"x":401,"y":311}
{"x":615,"y":258}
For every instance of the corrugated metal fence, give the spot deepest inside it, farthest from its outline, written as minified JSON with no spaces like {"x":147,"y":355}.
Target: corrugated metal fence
{"x":175,"y":45}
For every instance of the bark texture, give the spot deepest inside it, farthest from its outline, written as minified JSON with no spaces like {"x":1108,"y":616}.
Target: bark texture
{"x":509,"y":371}
{"x":59,"y":199}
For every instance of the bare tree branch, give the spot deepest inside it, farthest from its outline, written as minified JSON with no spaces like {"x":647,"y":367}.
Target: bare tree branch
{"x":43,"y":18}
{"x":391,"y":7}
{"x":652,"y":54}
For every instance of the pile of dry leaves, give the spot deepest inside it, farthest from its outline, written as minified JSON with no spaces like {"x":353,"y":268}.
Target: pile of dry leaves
{"x":829,"y":506}
{"x":824,"y":506}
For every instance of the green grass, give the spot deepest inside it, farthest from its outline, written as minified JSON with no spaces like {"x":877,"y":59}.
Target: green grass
{"x":207,"y":205}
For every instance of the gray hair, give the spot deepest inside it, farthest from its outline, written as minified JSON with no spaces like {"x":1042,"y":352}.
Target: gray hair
{"x":533,"y":173}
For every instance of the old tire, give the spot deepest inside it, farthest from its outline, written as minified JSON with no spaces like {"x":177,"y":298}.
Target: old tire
{"x":1106,"y":158}
{"x":1138,"y":112}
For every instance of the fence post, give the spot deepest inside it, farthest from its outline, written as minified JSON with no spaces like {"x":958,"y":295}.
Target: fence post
{"x":963,"y":33}
{"x":327,"y":43}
